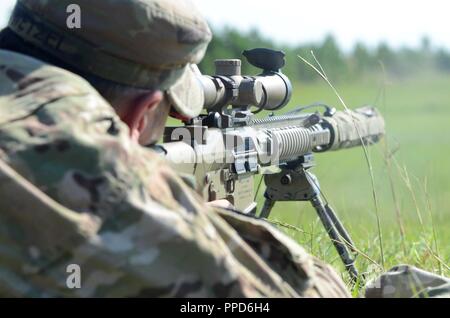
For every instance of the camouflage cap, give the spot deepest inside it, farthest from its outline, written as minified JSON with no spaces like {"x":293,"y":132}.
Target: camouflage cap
{"x":139,"y":43}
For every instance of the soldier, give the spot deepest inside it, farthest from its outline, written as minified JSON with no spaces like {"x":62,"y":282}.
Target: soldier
{"x":78,"y":192}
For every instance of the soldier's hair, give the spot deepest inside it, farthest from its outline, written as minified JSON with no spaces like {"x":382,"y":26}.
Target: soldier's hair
{"x":116,"y":94}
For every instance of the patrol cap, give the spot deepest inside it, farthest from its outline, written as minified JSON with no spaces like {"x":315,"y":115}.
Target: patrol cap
{"x":140,"y":43}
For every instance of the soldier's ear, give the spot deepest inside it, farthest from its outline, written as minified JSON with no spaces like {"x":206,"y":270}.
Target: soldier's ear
{"x":135,"y":114}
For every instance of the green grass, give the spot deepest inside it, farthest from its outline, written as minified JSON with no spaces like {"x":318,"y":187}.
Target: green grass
{"x":417,"y":113}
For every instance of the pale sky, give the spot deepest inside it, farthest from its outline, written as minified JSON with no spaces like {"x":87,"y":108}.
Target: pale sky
{"x":398,"y":22}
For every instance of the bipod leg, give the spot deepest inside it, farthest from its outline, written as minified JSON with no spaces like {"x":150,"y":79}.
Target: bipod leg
{"x":335,"y":236}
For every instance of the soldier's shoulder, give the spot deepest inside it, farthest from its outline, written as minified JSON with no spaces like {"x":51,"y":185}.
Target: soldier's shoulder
{"x":27,"y":83}
{"x":33,"y":91}
{"x":16,"y":67}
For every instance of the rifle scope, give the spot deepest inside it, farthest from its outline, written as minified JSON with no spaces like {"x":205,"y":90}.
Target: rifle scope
{"x":270,"y":90}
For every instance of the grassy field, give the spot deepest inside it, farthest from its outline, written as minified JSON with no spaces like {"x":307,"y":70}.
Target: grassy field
{"x":411,"y":175}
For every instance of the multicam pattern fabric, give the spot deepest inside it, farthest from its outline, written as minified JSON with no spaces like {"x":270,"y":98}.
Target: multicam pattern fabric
{"x":74,"y":189}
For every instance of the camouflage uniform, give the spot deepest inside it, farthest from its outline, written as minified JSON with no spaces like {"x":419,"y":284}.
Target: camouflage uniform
{"x":75,"y":189}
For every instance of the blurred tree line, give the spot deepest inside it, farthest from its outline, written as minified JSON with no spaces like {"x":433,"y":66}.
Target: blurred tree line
{"x":358,"y":63}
